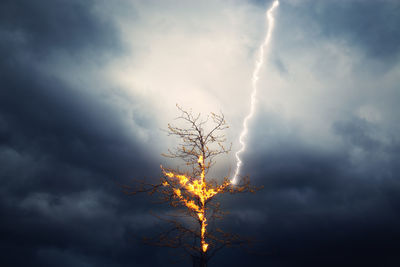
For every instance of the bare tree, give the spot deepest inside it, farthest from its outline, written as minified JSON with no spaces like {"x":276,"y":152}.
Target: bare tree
{"x":190,"y":191}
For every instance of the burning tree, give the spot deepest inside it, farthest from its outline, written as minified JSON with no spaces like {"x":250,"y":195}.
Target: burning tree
{"x":191,"y":190}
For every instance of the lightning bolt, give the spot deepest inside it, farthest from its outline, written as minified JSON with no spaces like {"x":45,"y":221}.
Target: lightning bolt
{"x":254,"y":79}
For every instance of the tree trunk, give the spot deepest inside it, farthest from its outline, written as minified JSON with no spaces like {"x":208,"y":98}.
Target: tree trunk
{"x":199,"y":261}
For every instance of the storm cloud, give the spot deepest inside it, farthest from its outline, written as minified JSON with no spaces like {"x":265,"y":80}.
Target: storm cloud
{"x":86,"y":86}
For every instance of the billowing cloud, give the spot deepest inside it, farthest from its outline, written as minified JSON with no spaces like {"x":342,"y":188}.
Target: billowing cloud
{"x":86,"y":86}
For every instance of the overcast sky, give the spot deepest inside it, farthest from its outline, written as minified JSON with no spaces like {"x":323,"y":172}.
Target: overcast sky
{"x":87,"y":86}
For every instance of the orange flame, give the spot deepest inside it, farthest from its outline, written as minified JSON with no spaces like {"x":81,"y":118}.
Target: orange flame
{"x":201,"y":192}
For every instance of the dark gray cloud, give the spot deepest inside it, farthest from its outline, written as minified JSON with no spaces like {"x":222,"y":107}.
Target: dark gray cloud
{"x":370,"y":25}
{"x":45,"y":26}
{"x":319,"y":207}
{"x":62,"y":147}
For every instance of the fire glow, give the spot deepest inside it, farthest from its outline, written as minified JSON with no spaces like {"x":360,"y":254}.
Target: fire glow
{"x":254,"y":79}
{"x":197,"y":193}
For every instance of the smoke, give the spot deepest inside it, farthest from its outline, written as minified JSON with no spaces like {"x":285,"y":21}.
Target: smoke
{"x":254,"y":79}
